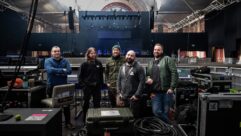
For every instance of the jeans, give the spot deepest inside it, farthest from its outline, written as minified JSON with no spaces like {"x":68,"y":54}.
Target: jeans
{"x":161,"y":103}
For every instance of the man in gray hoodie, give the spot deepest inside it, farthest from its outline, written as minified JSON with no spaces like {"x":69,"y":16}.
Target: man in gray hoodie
{"x":130,"y":84}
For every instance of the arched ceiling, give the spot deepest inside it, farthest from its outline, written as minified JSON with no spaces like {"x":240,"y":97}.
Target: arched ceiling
{"x":168,"y":11}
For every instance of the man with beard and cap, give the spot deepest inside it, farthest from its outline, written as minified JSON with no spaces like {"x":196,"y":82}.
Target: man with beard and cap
{"x":162,"y":79}
{"x":130,"y":84}
{"x":111,"y":73}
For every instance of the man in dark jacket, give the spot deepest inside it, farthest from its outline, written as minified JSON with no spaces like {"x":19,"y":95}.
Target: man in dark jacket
{"x":130,"y":84}
{"x":111,"y":73}
{"x":162,"y":79}
{"x":57,"y":69}
{"x":91,"y":79}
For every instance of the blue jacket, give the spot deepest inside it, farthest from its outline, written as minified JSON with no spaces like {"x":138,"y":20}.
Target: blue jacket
{"x":57,"y":71}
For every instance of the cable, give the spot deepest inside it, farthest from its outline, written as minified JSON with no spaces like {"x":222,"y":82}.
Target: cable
{"x":152,"y":126}
{"x":33,"y":10}
{"x":81,"y":132}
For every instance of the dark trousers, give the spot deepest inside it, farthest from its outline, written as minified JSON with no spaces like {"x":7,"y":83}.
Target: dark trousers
{"x":66,"y":108}
{"x":135,"y":107}
{"x":88,"y":92}
{"x":112,"y":92}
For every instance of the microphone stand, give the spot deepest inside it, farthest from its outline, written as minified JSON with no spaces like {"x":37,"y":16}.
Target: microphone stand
{"x":32,"y":13}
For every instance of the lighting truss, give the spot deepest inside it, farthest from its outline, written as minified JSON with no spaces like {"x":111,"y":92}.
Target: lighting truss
{"x":199,"y":14}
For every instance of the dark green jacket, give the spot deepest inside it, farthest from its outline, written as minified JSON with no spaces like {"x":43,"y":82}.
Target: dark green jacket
{"x":112,"y":70}
{"x":168,"y":72}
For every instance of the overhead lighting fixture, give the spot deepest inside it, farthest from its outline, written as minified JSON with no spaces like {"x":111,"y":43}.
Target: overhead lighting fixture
{"x":70,"y":3}
{"x":158,"y":4}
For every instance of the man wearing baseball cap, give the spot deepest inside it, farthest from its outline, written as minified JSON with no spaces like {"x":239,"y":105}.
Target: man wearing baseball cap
{"x":111,"y":72}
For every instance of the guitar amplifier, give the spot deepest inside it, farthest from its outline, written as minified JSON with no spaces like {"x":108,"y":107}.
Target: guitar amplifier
{"x":219,"y":114}
{"x":116,"y":120}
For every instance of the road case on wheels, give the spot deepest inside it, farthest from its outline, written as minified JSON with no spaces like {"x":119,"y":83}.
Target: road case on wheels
{"x":114,"y":120}
{"x":219,"y":114}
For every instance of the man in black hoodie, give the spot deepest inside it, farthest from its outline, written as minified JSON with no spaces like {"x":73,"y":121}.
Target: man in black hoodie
{"x":130,"y":84}
{"x":91,"y":79}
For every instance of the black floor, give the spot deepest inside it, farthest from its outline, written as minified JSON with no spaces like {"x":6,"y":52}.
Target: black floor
{"x":76,"y":121}
{"x":79,"y":125}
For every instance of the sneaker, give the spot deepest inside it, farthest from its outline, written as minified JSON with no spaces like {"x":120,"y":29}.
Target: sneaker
{"x":70,"y":126}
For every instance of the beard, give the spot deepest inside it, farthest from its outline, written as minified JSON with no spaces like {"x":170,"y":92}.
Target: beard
{"x":157,"y":55}
{"x":128,"y":60}
{"x":116,"y":56}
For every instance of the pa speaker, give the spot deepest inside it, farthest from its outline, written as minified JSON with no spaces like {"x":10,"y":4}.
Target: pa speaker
{"x":71,"y":19}
{"x":151,"y":19}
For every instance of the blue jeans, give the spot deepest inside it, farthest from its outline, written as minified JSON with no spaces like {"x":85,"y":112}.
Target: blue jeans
{"x":161,"y":103}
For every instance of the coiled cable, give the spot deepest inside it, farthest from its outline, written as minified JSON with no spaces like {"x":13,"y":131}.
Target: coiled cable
{"x":152,"y":126}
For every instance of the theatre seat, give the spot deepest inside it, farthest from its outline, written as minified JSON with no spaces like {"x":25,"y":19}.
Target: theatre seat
{"x":62,"y":95}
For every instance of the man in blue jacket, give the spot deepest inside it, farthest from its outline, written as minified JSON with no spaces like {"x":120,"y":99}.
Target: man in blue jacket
{"x":57,"y":69}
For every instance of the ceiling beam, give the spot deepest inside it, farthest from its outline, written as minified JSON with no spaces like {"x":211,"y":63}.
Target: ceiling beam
{"x":25,"y":13}
{"x":172,"y":12}
{"x":198,"y":14}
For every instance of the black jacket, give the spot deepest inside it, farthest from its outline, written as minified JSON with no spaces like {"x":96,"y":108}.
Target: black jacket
{"x":91,"y":73}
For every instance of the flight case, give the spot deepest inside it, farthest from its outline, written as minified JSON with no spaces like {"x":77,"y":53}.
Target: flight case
{"x":116,"y":120}
{"x":219,"y":114}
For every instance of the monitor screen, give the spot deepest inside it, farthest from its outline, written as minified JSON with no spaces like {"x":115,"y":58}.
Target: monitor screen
{"x":184,"y":73}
